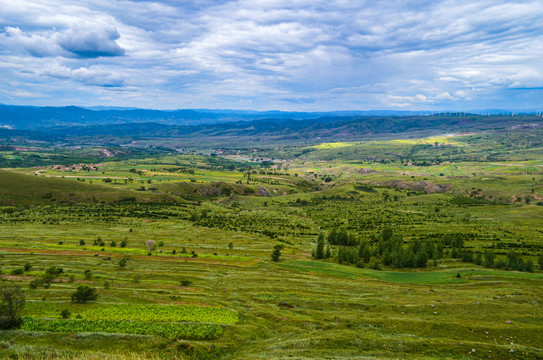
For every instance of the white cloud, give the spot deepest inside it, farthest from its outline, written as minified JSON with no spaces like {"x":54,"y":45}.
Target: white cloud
{"x":88,"y":76}
{"x":444,"y":96}
{"x":87,"y":41}
{"x":293,"y":54}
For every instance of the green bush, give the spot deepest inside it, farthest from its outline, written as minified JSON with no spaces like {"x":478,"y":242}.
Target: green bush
{"x":83,"y":294}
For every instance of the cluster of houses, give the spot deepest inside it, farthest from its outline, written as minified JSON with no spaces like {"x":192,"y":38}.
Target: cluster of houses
{"x":83,"y":167}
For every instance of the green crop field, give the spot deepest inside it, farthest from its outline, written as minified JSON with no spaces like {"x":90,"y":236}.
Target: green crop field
{"x":406,"y":248}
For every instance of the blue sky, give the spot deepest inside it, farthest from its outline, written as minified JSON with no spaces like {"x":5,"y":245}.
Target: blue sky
{"x":273,"y":54}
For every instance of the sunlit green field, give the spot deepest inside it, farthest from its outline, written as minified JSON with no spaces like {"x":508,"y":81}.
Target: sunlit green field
{"x":209,"y":289}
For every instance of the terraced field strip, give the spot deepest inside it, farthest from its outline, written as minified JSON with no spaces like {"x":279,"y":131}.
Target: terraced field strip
{"x":134,"y":312}
{"x":176,"y":321}
{"x":408,"y":277}
{"x":190,"y":331}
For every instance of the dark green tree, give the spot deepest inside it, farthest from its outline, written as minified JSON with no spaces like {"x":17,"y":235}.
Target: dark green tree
{"x":478,"y":259}
{"x":489,"y":258}
{"x":386,"y":233}
{"x":421,"y":258}
{"x":328,"y":253}
{"x":366,"y":254}
{"x":276,"y":253}
{"x":319,"y":252}
{"x":332,"y":237}
{"x":12,"y":301}
{"x":84,"y":293}
{"x":529,"y":266}
{"x":514,"y":261}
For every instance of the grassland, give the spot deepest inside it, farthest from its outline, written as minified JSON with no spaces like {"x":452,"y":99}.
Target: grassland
{"x":209,"y":288}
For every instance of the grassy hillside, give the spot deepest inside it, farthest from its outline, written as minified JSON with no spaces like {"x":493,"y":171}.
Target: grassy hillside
{"x":18,"y":189}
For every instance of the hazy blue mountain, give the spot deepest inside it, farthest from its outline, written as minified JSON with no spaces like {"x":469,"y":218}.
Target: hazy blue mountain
{"x":31,"y":117}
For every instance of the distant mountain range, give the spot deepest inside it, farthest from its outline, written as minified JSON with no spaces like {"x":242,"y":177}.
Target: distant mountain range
{"x":30,"y":117}
{"x":61,"y":123}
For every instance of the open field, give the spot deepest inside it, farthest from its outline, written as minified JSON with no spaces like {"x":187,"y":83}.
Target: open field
{"x":208,"y":288}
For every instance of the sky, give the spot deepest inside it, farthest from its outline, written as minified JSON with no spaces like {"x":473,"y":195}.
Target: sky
{"x":292,"y":55}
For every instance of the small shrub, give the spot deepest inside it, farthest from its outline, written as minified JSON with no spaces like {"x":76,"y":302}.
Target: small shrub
{"x":18,"y":271}
{"x":34,"y":284}
{"x":53,"y":270}
{"x":88,"y":274}
{"x":124,"y":261}
{"x":65,"y":314}
{"x":47,"y":279}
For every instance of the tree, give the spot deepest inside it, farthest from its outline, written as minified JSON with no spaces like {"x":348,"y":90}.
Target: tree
{"x":386,"y":233}
{"x":83,"y":294}
{"x":319,"y":252}
{"x":478,"y":258}
{"x":514,"y":261}
{"x":332,"y":236}
{"x":364,"y":252}
{"x":124,"y":261}
{"x":529,"y":266}
{"x":489,"y":258}
{"x":328,"y":253}
{"x":421,"y":258}
{"x":12,"y":302}
{"x":276,"y":253}
{"x":150,"y":245}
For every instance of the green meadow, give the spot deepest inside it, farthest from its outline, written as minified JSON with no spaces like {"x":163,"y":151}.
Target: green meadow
{"x":197,"y":231}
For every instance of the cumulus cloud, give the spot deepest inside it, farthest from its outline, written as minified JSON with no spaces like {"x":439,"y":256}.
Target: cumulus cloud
{"x":89,"y":41}
{"x":84,"y":41}
{"x":39,"y":45}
